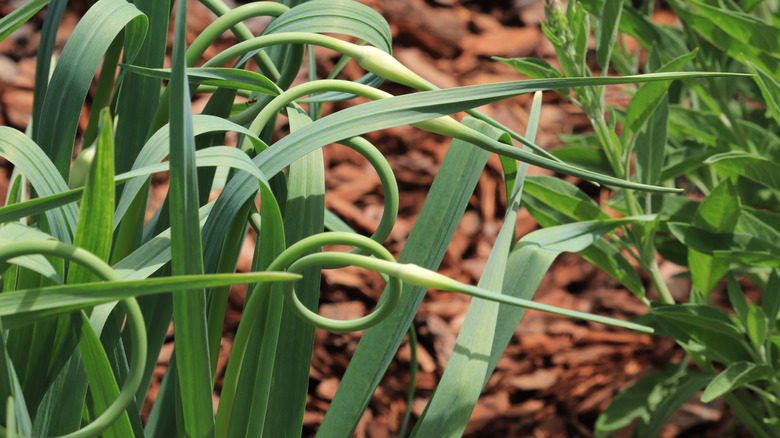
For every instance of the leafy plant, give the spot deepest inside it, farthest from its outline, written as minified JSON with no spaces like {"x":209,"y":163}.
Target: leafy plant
{"x":716,"y":138}
{"x":90,"y":289}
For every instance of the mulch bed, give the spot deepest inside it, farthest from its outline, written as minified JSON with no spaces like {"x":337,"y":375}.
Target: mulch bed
{"x":557,"y":374}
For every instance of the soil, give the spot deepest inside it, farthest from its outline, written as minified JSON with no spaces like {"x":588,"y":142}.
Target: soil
{"x":557,"y":374}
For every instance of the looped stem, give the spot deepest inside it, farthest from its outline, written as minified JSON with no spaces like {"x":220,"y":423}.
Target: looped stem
{"x":336,"y":260}
{"x":134,"y":316}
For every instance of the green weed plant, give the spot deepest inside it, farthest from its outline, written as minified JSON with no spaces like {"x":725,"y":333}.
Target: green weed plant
{"x":89,"y":289}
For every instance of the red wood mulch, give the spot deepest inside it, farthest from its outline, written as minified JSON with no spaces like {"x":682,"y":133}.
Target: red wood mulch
{"x":557,"y":374}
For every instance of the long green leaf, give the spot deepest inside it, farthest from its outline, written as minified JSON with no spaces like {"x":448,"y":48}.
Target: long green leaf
{"x":44,"y":177}
{"x":606,"y":32}
{"x":189,"y":309}
{"x":419,"y":107}
{"x":96,"y":215}
{"x":427,"y":242}
{"x":102,"y":383}
{"x":449,"y":409}
{"x":28,"y":305}
{"x":215,"y":76}
{"x":19,"y":16}
{"x":753,"y":167}
{"x":73,"y":75}
{"x":304,"y":216}
{"x":736,"y":375}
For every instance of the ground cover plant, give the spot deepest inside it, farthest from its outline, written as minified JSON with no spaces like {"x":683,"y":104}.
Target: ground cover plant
{"x":91,"y":289}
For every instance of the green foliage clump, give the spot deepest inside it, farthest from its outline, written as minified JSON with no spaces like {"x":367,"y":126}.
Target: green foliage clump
{"x":89,"y":289}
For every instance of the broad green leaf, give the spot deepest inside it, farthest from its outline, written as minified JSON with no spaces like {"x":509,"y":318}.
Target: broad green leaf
{"x":340,"y":16}
{"x":563,"y":197}
{"x":650,"y":148}
{"x":253,"y":386}
{"x":752,"y":167}
{"x":725,"y":40}
{"x":216,"y":76}
{"x":577,"y":236}
{"x":756,"y":324}
{"x":532,"y":67}
{"x":701,"y":329}
{"x":96,"y":214}
{"x":733,"y":377}
{"x":718,"y":213}
{"x":136,"y":104}
{"x":700,"y":125}
{"x":528,"y":262}
{"x":737,"y":298}
{"x":760,"y":223}
{"x":73,"y":75}
{"x":686,"y":160}
{"x":733,"y":246}
{"x":770,"y":89}
{"x":561,"y":203}
{"x":245,"y":397}
{"x":706,"y":270}
{"x":743,"y":27}
{"x":609,"y":258}
{"x":650,"y":400}
{"x":584,"y":156}
{"x":606,"y":31}
{"x":771,"y":301}
{"x":138,"y":97}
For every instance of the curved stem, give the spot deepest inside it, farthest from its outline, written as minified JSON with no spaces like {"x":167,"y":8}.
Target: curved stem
{"x":253,"y":304}
{"x":134,"y":316}
{"x":232,"y":19}
{"x":451,"y":128}
{"x":359,"y":144}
